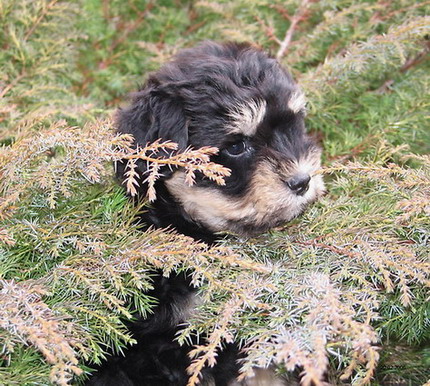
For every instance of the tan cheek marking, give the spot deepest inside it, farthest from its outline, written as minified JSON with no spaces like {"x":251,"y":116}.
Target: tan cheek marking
{"x":266,"y":197}
{"x":206,"y":205}
{"x":267,"y":201}
{"x":268,"y":193}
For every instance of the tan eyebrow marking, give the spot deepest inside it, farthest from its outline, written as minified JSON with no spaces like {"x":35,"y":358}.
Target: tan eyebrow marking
{"x":297,"y":101}
{"x":246,"y":117}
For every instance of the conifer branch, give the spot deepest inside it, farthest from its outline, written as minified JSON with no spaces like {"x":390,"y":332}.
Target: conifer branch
{"x":311,"y":295}
{"x":25,"y":316}
{"x":42,"y":15}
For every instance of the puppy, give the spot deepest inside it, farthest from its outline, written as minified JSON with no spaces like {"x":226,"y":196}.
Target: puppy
{"x":237,"y":98}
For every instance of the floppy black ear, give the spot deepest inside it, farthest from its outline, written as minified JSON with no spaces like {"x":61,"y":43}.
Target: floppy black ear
{"x":153,"y":114}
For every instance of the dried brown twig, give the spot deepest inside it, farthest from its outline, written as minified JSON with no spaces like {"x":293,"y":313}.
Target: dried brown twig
{"x":190,"y":160}
{"x":295,"y":20}
{"x":410,"y":63}
{"x":126,"y":30}
{"x":86,"y":151}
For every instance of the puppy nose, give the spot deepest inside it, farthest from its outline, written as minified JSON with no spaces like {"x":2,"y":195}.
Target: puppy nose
{"x":299,"y":183}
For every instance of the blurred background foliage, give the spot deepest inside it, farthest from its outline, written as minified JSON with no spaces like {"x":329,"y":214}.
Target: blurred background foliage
{"x":71,"y":259}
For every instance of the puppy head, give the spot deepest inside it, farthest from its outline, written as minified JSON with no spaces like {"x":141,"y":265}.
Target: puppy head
{"x":238,"y":99}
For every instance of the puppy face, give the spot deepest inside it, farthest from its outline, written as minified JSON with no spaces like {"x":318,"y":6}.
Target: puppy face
{"x":273,"y":179}
{"x":240,"y":100}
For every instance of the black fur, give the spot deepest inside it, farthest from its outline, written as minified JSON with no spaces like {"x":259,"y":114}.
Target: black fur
{"x":157,"y":359}
{"x":189,"y":101}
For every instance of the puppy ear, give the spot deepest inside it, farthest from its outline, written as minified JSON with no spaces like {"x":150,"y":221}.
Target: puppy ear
{"x":153,"y":114}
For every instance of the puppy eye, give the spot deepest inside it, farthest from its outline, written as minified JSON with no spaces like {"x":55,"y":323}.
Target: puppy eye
{"x":237,"y":148}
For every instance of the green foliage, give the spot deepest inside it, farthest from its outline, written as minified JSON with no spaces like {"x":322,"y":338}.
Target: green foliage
{"x":37,"y":63}
{"x":322,"y":293}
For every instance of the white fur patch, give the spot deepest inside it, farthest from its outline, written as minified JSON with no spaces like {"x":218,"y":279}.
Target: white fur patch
{"x":308,"y":164}
{"x":246,"y":117}
{"x":297,"y":101}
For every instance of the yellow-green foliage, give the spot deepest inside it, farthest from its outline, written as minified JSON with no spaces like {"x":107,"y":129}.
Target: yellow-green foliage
{"x":341,"y":293}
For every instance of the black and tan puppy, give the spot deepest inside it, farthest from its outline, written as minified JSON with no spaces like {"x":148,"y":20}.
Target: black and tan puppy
{"x":237,"y":98}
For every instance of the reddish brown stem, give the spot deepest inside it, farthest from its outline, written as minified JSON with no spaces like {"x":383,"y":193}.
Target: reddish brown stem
{"x":295,"y":20}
